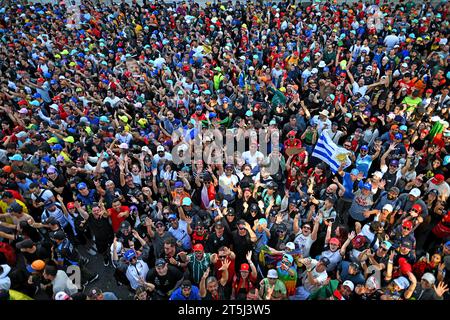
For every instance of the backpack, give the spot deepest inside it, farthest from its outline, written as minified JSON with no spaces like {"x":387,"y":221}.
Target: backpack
{"x":8,"y":252}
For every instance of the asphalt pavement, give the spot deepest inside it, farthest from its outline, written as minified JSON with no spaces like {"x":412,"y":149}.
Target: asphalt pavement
{"x":106,"y":281}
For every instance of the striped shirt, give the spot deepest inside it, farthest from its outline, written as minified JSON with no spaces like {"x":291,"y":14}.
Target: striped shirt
{"x":198,"y":267}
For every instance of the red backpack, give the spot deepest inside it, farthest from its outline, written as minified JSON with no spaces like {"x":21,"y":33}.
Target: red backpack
{"x":9,"y":253}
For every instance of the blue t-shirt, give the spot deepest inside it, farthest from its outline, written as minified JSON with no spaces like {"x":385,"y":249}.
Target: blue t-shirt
{"x":262,"y":240}
{"x":348,"y":185}
{"x":363,"y":164}
{"x":343,"y":271}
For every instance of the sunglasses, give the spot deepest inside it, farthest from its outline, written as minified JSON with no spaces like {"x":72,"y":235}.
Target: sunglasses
{"x":241,"y":228}
{"x":306,"y":228}
{"x":222,"y":257}
{"x":406,"y":229}
{"x":383,"y":249}
{"x":160,"y":226}
{"x":198,"y":252}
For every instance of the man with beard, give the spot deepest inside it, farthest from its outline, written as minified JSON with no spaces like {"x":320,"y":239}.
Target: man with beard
{"x":163,"y":279}
{"x":158,"y":235}
{"x":210,"y":288}
{"x":218,"y":238}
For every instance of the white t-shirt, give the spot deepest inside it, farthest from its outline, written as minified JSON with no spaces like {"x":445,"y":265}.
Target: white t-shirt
{"x":252,"y":159}
{"x":135,"y":272}
{"x":113,"y":102}
{"x":303,"y":243}
{"x":356,"y":88}
{"x":47,"y":194}
{"x":226,"y":183}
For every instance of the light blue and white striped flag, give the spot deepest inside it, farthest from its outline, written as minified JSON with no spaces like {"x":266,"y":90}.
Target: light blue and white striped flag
{"x":329,"y":152}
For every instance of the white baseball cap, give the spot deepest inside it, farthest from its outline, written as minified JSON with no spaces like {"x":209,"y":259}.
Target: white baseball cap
{"x":349,"y":284}
{"x":415,"y":192}
{"x":429,"y":277}
{"x":62,"y":296}
{"x":272,"y":273}
{"x":290,"y":246}
{"x":378,"y":174}
{"x":388,"y":207}
{"x":123,"y":145}
{"x":160,"y":149}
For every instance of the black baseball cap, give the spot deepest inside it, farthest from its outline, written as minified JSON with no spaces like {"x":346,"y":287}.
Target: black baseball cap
{"x":25,"y":244}
{"x":15,"y":207}
{"x":230,"y":211}
{"x":219,"y":224}
{"x":51,"y":220}
{"x":125,"y":225}
{"x":160,"y":262}
{"x":58,"y":235}
{"x":186,"y":284}
{"x":282,"y":227}
{"x":325,"y":261}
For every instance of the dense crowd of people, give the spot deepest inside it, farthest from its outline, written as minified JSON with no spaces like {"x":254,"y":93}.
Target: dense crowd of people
{"x":115,"y":120}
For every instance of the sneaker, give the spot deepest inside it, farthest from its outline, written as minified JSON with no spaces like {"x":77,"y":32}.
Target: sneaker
{"x":91,"y":251}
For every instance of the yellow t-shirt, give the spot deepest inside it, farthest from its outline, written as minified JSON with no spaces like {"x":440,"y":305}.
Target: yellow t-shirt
{"x":4,"y":208}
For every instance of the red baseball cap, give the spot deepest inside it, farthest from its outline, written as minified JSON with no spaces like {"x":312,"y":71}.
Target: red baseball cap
{"x":70,"y":205}
{"x":429,"y":91}
{"x":198,"y":247}
{"x":23,"y":102}
{"x":373,"y":119}
{"x":438,"y":179}
{"x":405,"y":267}
{"x":417,"y":207}
{"x":40,"y":80}
{"x":245,"y":267}
{"x":407,"y":224}
{"x":291,"y":133}
{"x":335,"y":241}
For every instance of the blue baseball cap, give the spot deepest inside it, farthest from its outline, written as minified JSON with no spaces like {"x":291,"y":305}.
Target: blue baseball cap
{"x":355,"y":172}
{"x":81,"y":185}
{"x":199,"y":107}
{"x":186,"y":201}
{"x":398,"y":136}
{"x":179,"y":184}
{"x":57,"y":147}
{"x":365,"y":147}
{"x":16,"y":157}
{"x":130,"y":254}
{"x":104,"y":119}
{"x":172,"y":216}
{"x":394,"y":163}
{"x":367,"y":186}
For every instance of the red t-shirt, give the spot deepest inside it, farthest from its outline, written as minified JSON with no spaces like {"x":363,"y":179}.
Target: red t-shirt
{"x":115,"y":219}
{"x":231,"y":271}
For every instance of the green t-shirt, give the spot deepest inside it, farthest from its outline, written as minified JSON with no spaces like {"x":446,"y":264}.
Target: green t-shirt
{"x":278,"y":291}
{"x":412,"y":102}
{"x":198,"y":267}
